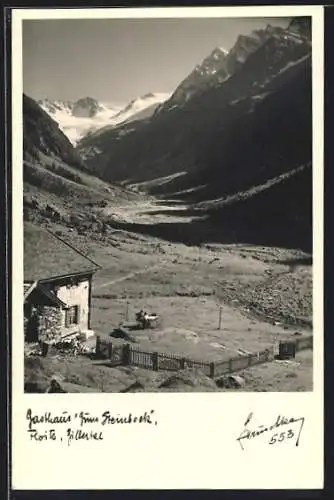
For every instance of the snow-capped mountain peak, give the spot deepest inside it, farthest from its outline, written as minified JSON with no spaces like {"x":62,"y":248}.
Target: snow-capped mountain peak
{"x":219,"y":52}
{"x":139,"y":108}
{"x":143,"y":102}
{"x":87,"y":115}
{"x":86,"y":107}
{"x":77,"y":118}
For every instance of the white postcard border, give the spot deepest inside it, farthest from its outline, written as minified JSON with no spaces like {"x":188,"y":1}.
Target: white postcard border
{"x":193,"y":445}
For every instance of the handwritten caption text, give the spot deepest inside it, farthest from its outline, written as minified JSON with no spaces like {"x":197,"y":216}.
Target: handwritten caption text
{"x":66,"y":427}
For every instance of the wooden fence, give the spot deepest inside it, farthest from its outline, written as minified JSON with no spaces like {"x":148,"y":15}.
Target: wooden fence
{"x":127,"y":354}
{"x":242,"y":362}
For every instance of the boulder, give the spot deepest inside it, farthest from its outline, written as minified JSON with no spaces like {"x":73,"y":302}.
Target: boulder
{"x":55,"y":387}
{"x":135,"y":387}
{"x":230,"y":382}
{"x":189,"y":379}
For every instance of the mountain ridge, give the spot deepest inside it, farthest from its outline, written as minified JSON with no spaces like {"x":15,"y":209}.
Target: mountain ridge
{"x":220,"y":65}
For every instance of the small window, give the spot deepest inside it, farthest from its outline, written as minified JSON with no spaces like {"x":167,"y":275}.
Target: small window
{"x":72,"y":316}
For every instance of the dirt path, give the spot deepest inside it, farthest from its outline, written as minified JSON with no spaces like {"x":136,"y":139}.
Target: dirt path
{"x":128,"y":276}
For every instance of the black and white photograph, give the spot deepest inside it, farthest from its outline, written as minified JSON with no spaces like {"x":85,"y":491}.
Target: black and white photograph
{"x":168,"y":205}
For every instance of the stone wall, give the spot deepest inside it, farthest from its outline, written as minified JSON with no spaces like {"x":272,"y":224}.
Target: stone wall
{"x":25,"y":325}
{"x":50,"y":323}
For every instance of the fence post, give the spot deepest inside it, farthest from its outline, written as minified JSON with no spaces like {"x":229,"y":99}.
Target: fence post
{"x":212,"y":369}
{"x":98,"y":346}
{"x":126,"y":354}
{"x":110,"y":350}
{"x":220,"y":318}
{"x":182,"y":363}
{"x":155,"y":361}
{"x":45,"y":349}
{"x":230,"y":365}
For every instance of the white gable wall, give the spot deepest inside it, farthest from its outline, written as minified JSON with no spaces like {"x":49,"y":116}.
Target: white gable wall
{"x":76,"y":295}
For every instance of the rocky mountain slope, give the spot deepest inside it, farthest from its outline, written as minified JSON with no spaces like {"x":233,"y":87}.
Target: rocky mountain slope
{"x":220,"y":65}
{"x":41,"y":134}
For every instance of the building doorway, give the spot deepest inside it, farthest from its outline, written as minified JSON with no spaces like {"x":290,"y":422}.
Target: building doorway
{"x":31,"y":322}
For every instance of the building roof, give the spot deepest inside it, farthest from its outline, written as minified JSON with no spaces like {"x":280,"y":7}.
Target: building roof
{"x":47,"y":256}
{"x":40,"y":289}
{"x":28,"y":287}
{"x":50,"y":295}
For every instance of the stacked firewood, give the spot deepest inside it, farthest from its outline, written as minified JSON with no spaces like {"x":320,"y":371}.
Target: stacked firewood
{"x":65,"y":347}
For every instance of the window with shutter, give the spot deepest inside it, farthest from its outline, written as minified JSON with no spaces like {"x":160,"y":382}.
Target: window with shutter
{"x":72,"y":316}
{"x":66,"y":319}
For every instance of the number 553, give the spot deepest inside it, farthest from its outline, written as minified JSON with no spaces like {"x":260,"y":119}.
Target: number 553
{"x":279,"y":438}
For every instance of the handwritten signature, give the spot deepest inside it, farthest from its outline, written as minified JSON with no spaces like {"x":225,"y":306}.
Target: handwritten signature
{"x":283,"y":428}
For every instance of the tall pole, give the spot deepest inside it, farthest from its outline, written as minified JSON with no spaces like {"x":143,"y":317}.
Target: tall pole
{"x":127,"y":311}
{"x":220,"y":318}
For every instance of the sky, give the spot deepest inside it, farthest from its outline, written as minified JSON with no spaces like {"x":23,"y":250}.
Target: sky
{"x":116,"y":60}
